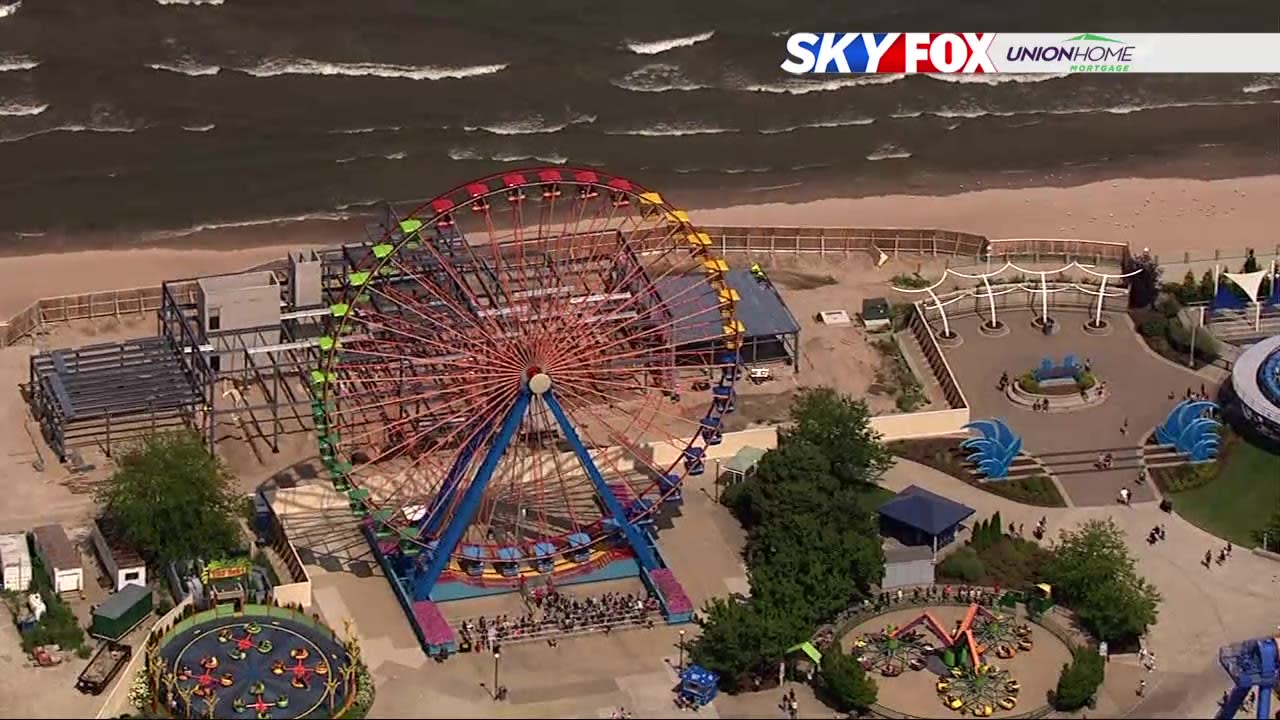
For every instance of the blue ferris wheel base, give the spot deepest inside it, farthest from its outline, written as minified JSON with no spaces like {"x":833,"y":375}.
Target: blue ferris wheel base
{"x":417,"y":580}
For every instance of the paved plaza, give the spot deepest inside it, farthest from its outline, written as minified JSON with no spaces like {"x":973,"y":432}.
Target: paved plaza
{"x":1202,"y":609}
{"x":1069,"y":443}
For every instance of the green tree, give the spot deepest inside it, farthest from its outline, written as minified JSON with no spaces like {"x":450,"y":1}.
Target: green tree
{"x":1206,"y":286}
{"x":1189,"y":290}
{"x":845,"y":684}
{"x":738,"y":638}
{"x":840,"y":427}
{"x":1079,"y":680}
{"x":772,"y":492}
{"x":1093,"y":573}
{"x":172,"y":499}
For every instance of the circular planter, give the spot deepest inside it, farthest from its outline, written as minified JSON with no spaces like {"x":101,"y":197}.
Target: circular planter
{"x":952,"y":341}
{"x":1069,"y":402}
{"x":1103,"y":328}
{"x":999,"y":329}
{"x":1040,"y":324}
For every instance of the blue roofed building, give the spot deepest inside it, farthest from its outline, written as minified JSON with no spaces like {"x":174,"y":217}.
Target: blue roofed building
{"x":916,"y":516}
{"x":771,"y":331}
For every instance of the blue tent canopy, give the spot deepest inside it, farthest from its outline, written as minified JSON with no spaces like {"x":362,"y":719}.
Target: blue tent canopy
{"x":927,"y":512}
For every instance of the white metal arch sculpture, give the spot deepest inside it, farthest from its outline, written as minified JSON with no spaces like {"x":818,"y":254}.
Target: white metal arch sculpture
{"x":1043,"y":290}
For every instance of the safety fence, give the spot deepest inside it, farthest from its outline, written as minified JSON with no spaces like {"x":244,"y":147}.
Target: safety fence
{"x":937,"y":361}
{"x":86,"y":306}
{"x":728,"y":239}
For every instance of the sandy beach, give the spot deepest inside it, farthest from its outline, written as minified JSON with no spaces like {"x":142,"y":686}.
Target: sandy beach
{"x":1169,"y":216}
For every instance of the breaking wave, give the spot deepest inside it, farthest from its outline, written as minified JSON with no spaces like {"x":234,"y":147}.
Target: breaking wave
{"x":889,"y":151}
{"x":14,"y":63}
{"x":674,"y":130}
{"x":190,"y":2}
{"x":1262,"y":86}
{"x":818,"y":124}
{"x":22,"y":109}
{"x":531,"y":125}
{"x":68,"y":129}
{"x":471,"y":154}
{"x":9,"y":9}
{"x":659,"y":77}
{"x":199,"y":128}
{"x":305,"y":66}
{"x":191,"y":69}
{"x":660,"y":46}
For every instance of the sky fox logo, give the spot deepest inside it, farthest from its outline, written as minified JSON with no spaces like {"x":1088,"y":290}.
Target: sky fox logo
{"x":889,"y":53}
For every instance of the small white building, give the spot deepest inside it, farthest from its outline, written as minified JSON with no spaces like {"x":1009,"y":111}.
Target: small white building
{"x":907,"y":565}
{"x":15,"y":558}
{"x":123,"y":564}
{"x":61,"y":559}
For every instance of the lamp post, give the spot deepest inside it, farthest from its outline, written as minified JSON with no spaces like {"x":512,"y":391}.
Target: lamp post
{"x":681,"y":665}
{"x":497,"y":692}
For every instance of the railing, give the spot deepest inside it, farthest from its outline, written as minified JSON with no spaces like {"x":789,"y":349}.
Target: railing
{"x":726,"y":238}
{"x":937,"y":361}
{"x":86,"y":306}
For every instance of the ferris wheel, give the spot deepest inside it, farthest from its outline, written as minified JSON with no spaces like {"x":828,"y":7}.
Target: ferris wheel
{"x":522,"y":372}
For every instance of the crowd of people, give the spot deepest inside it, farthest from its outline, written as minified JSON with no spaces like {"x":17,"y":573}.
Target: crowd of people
{"x":553,"y":613}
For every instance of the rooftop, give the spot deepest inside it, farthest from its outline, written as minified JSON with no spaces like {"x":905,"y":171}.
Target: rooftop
{"x":929,"y":513}
{"x":760,"y":308}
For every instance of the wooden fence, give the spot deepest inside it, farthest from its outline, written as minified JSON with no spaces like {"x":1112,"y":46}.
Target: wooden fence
{"x":727,"y":239}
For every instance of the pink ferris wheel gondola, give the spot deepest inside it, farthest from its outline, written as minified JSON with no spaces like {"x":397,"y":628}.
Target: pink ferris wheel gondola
{"x":522,"y":374}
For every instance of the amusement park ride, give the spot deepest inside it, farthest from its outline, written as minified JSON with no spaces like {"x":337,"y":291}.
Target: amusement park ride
{"x":1251,"y":664}
{"x":970,"y":684}
{"x":518,"y":379}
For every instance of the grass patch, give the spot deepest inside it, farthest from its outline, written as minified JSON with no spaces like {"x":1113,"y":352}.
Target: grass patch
{"x":1241,"y":493}
{"x":59,"y":626}
{"x":943,"y":455}
{"x":1036,"y":490}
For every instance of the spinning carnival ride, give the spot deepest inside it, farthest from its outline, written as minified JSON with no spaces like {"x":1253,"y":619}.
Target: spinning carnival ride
{"x":520,"y":375}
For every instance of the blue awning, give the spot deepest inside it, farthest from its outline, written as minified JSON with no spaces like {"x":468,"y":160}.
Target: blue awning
{"x":927,"y":512}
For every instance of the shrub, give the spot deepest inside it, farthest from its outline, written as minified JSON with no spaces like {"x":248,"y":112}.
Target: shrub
{"x":912,"y":281}
{"x":1036,"y":490}
{"x":1168,"y":306}
{"x":1154,"y":326}
{"x":1029,"y":382}
{"x":964,"y":565}
{"x":1086,"y":380}
{"x":1079,"y":680}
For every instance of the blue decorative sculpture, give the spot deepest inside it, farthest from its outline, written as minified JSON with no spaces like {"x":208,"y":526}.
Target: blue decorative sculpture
{"x":994,"y":449}
{"x":1190,"y":431}
{"x":1049,"y":371}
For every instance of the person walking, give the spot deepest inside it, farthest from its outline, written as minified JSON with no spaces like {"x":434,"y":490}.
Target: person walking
{"x":1142,"y":687}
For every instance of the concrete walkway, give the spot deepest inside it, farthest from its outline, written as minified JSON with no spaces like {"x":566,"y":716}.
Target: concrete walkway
{"x":1203,"y":609}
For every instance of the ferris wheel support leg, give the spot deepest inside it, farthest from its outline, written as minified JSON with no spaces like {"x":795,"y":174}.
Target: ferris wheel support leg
{"x":426,"y":581}
{"x":435,"y":515}
{"x":638,"y":541}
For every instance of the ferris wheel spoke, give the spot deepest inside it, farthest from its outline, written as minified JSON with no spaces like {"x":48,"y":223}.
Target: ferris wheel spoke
{"x":616,"y":438}
{"x":477,"y":339}
{"x":441,"y":398}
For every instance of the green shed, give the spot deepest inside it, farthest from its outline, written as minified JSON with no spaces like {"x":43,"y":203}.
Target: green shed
{"x":120,"y":612}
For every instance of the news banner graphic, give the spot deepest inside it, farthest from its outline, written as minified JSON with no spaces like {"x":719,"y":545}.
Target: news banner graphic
{"x":979,"y":52}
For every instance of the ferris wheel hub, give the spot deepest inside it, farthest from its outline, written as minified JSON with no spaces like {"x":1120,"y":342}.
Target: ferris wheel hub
{"x":539,"y":383}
